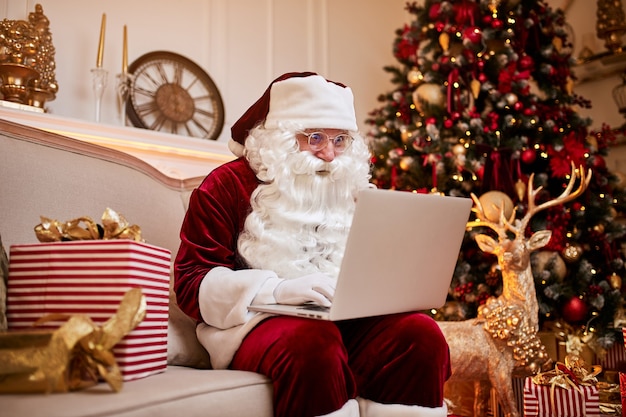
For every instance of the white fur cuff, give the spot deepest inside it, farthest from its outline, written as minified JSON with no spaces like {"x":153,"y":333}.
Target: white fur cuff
{"x":370,"y":408}
{"x":349,"y":409}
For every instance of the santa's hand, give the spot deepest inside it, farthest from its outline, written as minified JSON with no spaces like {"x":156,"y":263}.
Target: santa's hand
{"x":317,"y":288}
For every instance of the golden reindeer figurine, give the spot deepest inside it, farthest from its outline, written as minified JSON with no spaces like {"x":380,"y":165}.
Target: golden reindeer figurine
{"x":503,"y":338}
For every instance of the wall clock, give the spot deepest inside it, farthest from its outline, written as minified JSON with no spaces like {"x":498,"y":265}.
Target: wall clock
{"x":170,"y":93}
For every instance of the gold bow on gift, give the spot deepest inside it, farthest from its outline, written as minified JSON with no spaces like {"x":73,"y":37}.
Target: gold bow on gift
{"x":75,"y":356}
{"x":572,"y":373}
{"x":114,"y":226}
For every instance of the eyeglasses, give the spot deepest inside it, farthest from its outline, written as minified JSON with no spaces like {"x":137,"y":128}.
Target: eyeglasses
{"x":319,"y":140}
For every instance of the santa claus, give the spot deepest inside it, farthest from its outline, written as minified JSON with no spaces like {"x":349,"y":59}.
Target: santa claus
{"x":270,"y":227}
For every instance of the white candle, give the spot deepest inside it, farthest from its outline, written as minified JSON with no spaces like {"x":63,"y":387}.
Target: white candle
{"x":101,"y":43}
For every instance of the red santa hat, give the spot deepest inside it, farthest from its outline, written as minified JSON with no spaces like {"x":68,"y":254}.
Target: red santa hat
{"x":304,"y":98}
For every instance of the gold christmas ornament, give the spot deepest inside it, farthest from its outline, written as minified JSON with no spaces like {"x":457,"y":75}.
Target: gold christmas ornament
{"x":615,"y":281}
{"x":414,"y":76}
{"x":406,"y":163}
{"x":459,"y":149}
{"x":511,"y":98}
{"x":444,"y":41}
{"x":475,"y":88}
{"x":572,"y":252}
{"x":429,"y":98}
{"x":404,"y":134}
{"x":495,"y":202}
{"x":520,"y":189}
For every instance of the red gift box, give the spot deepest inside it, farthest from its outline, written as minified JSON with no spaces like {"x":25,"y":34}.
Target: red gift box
{"x":539,"y":401}
{"x":91,"y":277}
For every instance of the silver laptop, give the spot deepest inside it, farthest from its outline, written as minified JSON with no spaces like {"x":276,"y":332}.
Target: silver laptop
{"x":400,"y":256}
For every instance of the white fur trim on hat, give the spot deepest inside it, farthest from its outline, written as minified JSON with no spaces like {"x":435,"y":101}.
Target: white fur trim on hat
{"x":312,"y":102}
{"x":235,"y":147}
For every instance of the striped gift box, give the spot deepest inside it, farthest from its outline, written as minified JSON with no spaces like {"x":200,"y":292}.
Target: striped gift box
{"x":518,"y":392}
{"x":538,"y":401}
{"x":614,"y":358}
{"x":91,"y":277}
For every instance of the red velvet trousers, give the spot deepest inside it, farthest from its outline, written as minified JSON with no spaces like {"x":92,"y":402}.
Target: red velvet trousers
{"x":316,"y":366}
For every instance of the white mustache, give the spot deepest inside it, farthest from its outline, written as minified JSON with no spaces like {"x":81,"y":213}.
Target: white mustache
{"x":307,"y":164}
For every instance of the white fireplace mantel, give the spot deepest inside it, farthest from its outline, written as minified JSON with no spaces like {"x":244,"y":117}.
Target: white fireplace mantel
{"x":176,"y":156}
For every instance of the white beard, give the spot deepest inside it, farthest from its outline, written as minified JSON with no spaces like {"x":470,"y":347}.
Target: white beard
{"x":302,"y":212}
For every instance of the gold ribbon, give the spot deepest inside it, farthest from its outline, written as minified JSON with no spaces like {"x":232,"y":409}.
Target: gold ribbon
{"x":572,"y":373}
{"x":114,"y":226}
{"x":75,"y":356}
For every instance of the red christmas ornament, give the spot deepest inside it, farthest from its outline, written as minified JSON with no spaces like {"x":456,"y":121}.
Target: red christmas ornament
{"x":526,"y":62}
{"x":528,"y":156}
{"x":598,"y":162}
{"x":472,"y":34}
{"x":469,"y":55}
{"x":497,"y":24}
{"x":574,"y":310}
{"x":480,"y":172}
{"x":433,"y":12}
{"x":447,"y":123}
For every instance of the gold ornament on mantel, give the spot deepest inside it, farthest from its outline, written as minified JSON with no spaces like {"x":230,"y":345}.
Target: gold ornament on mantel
{"x":611,"y":24}
{"x":27,"y":67}
{"x":503,"y":339}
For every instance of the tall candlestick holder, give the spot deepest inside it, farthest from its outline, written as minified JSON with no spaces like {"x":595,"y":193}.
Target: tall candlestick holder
{"x":124,"y":83}
{"x":99,"y":78}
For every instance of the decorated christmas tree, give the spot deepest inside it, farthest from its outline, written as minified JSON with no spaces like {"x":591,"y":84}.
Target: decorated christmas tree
{"x":483,"y":97}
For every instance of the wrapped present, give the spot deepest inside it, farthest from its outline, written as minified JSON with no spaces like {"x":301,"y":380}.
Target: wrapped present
{"x":74,"y":356}
{"x":622,"y":388}
{"x":518,"y":392}
{"x":568,"y":391}
{"x":614,"y":358}
{"x":562,"y":339}
{"x":90,"y":277}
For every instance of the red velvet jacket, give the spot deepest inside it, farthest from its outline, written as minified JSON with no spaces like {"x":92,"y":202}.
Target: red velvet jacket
{"x":217,"y":211}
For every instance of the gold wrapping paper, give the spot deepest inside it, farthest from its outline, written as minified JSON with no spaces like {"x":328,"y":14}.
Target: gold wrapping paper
{"x":569,"y":374}
{"x":75,"y":356}
{"x":572,"y":373}
{"x":114,"y":226}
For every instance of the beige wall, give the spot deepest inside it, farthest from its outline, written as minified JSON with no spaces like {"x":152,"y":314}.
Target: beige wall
{"x":244,"y":44}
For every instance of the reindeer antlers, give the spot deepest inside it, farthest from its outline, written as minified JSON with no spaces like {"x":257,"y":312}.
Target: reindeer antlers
{"x":565,"y":196}
{"x":507,"y":224}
